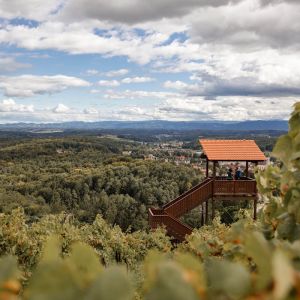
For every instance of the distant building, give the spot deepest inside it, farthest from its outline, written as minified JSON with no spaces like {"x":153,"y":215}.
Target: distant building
{"x":60,"y":151}
{"x":150,"y":157}
{"x":126,"y":153}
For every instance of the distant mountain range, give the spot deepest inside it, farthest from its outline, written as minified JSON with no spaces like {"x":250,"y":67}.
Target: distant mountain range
{"x":151,"y":125}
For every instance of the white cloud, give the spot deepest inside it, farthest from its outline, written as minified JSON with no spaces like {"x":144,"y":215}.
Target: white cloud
{"x":133,"y":94}
{"x":227,"y":108}
{"x":61,"y":108}
{"x":235,"y":52}
{"x":9,"y":64}
{"x":248,"y":25}
{"x":224,"y":72}
{"x":11,"y":112}
{"x":127,"y":80}
{"x":243,"y":23}
{"x":111,"y":83}
{"x":94,"y":91}
{"x":116,"y":73}
{"x":172,"y":108}
{"x":198,"y":109}
{"x":92,"y":72}
{"x":79,"y":39}
{"x":9,"y":105}
{"x":29,"y":9}
{"x":220,"y":61}
{"x":137,"y":79}
{"x":30,"y":85}
{"x":112,"y":73}
{"x":131,"y":11}
{"x":91,"y":111}
{"x":179,"y":85}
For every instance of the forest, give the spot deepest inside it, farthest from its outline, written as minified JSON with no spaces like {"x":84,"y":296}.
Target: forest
{"x":86,"y":177}
{"x":73,"y":225}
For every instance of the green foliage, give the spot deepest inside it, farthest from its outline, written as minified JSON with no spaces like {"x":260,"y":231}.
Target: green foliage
{"x":245,"y":260}
{"x":25,"y":240}
{"x":229,"y":279}
{"x":280,"y":186}
{"x":86,"y":177}
{"x":9,"y":276}
{"x":78,"y":275}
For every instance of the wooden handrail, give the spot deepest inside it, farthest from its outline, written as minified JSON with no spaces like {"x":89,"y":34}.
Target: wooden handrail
{"x":187,"y":193}
{"x":190,"y":200}
{"x":226,"y":178}
{"x":202,"y":192}
{"x":234,"y":187}
{"x":174,"y":227}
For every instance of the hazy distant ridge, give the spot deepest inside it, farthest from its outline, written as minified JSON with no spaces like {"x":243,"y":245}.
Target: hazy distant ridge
{"x":167,"y":125}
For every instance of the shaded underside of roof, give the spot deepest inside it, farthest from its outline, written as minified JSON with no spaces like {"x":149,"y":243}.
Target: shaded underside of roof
{"x":232,"y":150}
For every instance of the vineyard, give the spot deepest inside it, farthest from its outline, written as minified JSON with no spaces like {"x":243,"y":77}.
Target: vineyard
{"x":57,"y":257}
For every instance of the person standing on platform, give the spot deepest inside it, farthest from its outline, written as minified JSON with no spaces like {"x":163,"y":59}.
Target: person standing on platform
{"x":229,"y":174}
{"x":238,"y":173}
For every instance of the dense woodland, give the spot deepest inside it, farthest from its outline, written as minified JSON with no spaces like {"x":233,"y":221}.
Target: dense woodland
{"x":86,"y":177}
{"x":74,"y":213}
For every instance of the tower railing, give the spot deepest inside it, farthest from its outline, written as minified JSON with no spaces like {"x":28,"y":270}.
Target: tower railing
{"x":210,"y":188}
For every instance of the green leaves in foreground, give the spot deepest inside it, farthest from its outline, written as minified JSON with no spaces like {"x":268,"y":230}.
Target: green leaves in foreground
{"x":9,"y":275}
{"x":113,"y":284}
{"x":280,"y":185}
{"x":259,"y":251}
{"x":180,"y":278}
{"x":77,"y":276}
{"x":217,"y":262}
{"x":272,"y":272}
{"x":229,"y":279}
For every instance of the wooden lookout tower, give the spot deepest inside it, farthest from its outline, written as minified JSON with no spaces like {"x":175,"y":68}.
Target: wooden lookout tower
{"x":213,"y":187}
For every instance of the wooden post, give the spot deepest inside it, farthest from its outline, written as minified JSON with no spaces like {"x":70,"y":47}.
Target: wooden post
{"x":255,"y":207}
{"x":247,"y":169}
{"x":212,"y":208}
{"x":214,"y":169}
{"x":202,"y":215}
{"x":255,"y":202}
{"x":207,"y":162}
{"x":206,"y":212}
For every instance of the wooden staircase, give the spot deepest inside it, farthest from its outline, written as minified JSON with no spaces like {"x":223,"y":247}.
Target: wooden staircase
{"x":190,"y":199}
{"x":169,"y":214}
{"x":210,"y":188}
{"x":175,"y":228}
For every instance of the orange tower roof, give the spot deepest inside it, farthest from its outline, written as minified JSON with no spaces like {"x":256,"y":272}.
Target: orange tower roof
{"x":232,"y":150}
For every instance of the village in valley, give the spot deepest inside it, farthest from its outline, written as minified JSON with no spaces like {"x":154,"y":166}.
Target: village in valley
{"x":181,"y":153}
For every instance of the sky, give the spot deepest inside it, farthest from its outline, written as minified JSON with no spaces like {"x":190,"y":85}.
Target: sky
{"x":200,"y":60}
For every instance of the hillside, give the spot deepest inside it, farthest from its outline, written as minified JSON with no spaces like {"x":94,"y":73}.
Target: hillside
{"x":57,"y":256}
{"x":87,"y":176}
{"x":153,"y":125}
